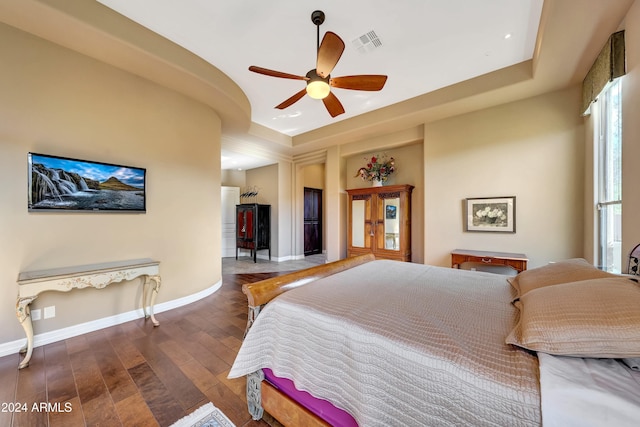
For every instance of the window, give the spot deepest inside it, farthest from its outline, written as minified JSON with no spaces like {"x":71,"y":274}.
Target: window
{"x":608,"y":128}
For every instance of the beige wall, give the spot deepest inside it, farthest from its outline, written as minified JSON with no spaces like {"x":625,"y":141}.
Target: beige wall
{"x":532,"y":149}
{"x":56,"y":101}
{"x":265,"y":179}
{"x":314,"y":176}
{"x":234,"y":178}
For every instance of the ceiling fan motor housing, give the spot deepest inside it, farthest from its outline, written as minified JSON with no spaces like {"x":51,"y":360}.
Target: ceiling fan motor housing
{"x":317,"y":17}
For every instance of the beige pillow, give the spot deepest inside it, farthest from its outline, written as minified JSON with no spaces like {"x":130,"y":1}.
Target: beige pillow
{"x":589,"y":318}
{"x":571,"y":270}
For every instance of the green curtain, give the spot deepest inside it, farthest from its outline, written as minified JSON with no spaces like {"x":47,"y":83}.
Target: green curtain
{"x":609,"y":65}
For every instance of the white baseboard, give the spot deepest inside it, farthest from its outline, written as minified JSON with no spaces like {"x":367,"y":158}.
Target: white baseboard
{"x":281,"y":259}
{"x":13,"y":347}
{"x":265,"y":256}
{"x":228,"y":253}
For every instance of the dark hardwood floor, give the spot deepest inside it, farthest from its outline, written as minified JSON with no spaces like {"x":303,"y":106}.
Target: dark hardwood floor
{"x":134,"y":374}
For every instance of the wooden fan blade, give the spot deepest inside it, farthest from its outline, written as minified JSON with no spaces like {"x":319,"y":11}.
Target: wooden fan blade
{"x":329,"y":53}
{"x":361,"y":82}
{"x":334,"y":107}
{"x":295,"y":98}
{"x":273,"y":73}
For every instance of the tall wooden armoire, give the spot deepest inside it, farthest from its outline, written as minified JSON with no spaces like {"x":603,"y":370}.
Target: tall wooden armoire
{"x":380,"y":222}
{"x":253,"y":228}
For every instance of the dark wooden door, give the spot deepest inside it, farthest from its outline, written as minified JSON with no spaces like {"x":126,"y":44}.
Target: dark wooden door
{"x":312,"y":221}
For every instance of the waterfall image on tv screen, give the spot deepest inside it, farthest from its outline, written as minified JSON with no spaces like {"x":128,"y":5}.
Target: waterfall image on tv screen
{"x":60,"y":183}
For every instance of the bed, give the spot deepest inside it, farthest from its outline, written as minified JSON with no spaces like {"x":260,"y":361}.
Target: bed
{"x":376,"y":342}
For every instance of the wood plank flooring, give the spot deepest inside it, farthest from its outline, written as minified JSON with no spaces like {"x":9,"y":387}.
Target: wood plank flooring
{"x":134,"y":374}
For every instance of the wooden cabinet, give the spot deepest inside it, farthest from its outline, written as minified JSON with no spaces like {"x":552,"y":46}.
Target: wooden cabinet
{"x":253,"y":228}
{"x":380,"y":222}
{"x":516,"y":261}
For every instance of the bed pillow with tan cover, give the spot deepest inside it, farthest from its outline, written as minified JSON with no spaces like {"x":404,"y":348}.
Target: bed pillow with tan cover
{"x":589,"y":318}
{"x":571,"y":270}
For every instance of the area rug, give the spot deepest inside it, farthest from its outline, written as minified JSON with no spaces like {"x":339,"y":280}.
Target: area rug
{"x":205,"y":416}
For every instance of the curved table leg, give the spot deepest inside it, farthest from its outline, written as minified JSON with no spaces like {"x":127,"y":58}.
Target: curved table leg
{"x":145,"y":295}
{"x":154,"y":293}
{"x":23,"y":313}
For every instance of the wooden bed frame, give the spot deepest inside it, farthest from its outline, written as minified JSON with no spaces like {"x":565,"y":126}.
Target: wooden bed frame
{"x":262,"y":396}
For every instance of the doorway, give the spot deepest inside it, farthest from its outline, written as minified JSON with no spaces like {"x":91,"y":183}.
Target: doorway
{"x":230,"y":198}
{"x":312,"y":221}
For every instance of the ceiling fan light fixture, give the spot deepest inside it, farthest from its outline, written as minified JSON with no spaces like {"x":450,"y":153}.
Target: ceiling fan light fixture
{"x":318,"y":89}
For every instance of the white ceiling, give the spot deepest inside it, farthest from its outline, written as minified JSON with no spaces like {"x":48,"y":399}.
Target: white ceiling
{"x":426,"y":45}
{"x":234,"y":160}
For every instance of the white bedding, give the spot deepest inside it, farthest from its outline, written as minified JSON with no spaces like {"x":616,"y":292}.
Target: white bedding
{"x":588,"y":392}
{"x":401,"y":344}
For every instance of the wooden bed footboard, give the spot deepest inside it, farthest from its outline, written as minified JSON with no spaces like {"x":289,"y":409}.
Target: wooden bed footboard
{"x":260,"y":293}
{"x":261,"y":395}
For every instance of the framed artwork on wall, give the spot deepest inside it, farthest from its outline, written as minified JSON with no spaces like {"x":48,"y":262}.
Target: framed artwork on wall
{"x":71,"y":185}
{"x":492,"y":214}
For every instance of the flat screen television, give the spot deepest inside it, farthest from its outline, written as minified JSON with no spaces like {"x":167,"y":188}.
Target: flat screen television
{"x":64,"y":184}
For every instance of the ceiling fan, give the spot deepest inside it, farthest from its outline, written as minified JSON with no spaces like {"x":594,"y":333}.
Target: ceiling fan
{"x":319,"y":80}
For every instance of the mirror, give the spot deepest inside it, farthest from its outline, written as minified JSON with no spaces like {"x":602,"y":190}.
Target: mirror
{"x":392,"y":224}
{"x":357,"y":227}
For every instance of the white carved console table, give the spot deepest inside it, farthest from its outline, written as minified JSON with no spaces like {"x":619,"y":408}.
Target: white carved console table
{"x":32,"y":283}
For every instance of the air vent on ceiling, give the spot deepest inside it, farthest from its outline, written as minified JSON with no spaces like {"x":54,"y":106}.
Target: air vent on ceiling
{"x":367,"y":42}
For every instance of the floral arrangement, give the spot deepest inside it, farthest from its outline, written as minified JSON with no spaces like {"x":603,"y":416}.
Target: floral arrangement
{"x":491,"y":216}
{"x":378,"y":168}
